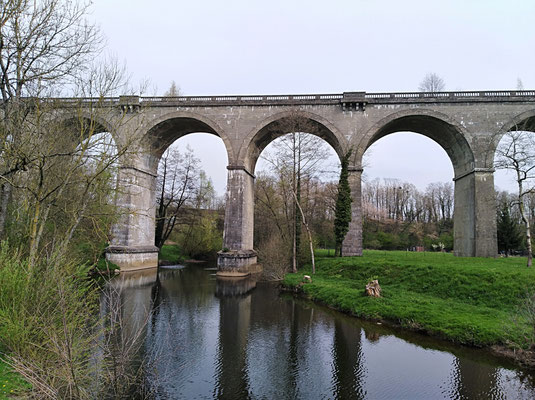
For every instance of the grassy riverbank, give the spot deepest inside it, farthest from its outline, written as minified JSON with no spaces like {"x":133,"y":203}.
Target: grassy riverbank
{"x":172,"y":253}
{"x":467,"y":300}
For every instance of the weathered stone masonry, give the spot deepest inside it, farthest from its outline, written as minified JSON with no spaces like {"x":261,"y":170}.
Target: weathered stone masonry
{"x":468,"y":125}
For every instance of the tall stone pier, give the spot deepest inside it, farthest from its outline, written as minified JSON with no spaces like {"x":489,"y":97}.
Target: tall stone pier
{"x":352,"y":245}
{"x":132,"y":246}
{"x":237,"y":254}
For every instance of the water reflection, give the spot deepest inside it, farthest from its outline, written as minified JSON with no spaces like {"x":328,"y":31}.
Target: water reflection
{"x":234,"y":323}
{"x":348,"y":362}
{"x":240,"y":339}
{"x":473,"y":381}
{"x":227,"y":287}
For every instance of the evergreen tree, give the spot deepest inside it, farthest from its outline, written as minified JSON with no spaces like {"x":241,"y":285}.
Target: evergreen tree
{"x":342,"y":215}
{"x":508,"y":231}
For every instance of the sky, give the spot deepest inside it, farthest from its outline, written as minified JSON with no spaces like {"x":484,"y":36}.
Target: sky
{"x":289,"y":47}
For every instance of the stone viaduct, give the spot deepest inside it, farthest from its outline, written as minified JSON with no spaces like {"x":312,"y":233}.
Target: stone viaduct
{"x":468,"y":125}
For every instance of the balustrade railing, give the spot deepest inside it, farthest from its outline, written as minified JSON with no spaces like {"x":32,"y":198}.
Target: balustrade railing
{"x":498,"y":95}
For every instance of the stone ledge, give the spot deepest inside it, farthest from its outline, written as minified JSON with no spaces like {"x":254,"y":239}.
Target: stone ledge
{"x":237,"y":254}
{"x":236,"y":261}
{"x":132,"y":261}
{"x":131,"y":249}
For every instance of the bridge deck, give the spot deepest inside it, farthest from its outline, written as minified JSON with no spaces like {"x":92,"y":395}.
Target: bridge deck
{"x":327,"y":99}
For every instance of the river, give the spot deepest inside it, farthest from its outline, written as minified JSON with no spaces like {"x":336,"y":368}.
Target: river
{"x":209,"y":338}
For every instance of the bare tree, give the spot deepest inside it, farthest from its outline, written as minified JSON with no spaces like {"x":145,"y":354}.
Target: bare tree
{"x":516,"y":152}
{"x":44,"y":45}
{"x":176,"y":185}
{"x":296,"y":155}
{"x":174,"y":90}
{"x":431,"y":83}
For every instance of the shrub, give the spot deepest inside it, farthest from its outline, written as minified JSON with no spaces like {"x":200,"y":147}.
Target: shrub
{"x":276,"y":258}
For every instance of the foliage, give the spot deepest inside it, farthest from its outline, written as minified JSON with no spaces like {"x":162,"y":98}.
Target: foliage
{"x":467,"y":300}
{"x":105,"y":266}
{"x":342,"y":213}
{"x":57,"y":178}
{"x":171,"y":253}
{"x":508,"y":231}
{"x":44,"y":315}
{"x":173,"y":90}
{"x":201,"y":238}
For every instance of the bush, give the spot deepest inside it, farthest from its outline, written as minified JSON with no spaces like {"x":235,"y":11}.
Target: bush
{"x":276,"y":258}
{"x":171,"y":253}
{"x":201,"y":239}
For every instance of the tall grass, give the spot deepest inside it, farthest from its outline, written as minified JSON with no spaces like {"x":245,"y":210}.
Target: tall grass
{"x":52,"y":331}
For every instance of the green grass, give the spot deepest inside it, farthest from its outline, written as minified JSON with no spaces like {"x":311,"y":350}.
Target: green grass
{"x":467,"y":300}
{"x":170,"y":252}
{"x":11,"y":383}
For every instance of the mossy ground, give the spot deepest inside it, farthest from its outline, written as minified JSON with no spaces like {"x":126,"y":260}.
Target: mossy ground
{"x":472,"y":301}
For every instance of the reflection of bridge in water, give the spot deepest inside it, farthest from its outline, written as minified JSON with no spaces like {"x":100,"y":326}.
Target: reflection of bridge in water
{"x":468,"y":125}
{"x":255,"y":343}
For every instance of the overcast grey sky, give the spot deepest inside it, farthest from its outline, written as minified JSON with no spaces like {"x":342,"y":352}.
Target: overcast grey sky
{"x":293,"y":46}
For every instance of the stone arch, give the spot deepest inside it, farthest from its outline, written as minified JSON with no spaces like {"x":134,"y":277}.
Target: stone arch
{"x":523,"y":121}
{"x":101,"y":123}
{"x":474,"y":217}
{"x":161,"y":132}
{"x":447,"y":133}
{"x":280,"y":124}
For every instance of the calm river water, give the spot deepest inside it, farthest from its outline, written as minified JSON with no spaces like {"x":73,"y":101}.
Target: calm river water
{"x":223,"y":339}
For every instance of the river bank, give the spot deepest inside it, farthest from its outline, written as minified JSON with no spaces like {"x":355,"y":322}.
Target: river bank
{"x":473,"y":301}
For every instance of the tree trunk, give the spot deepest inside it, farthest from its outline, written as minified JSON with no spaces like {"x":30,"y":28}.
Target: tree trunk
{"x":294,"y":188}
{"x":5,"y":196}
{"x":525,"y":219}
{"x":309,"y":234}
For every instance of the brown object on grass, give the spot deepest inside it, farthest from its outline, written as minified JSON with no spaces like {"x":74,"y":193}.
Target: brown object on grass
{"x":373,"y":289}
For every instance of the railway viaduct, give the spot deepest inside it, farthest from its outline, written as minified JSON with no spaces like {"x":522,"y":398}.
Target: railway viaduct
{"x":468,"y":126}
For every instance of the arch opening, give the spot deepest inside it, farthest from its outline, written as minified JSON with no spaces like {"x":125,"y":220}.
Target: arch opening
{"x":188,"y":189}
{"x":407,"y":194}
{"x":445,"y":134}
{"x":295,"y":165}
{"x":474,"y":224}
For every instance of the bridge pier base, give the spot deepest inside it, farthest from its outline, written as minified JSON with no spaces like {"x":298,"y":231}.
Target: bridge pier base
{"x":352,"y":245}
{"x":133,"y":258}
{"x":238,"y":256}
{"x":239,"y":261}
